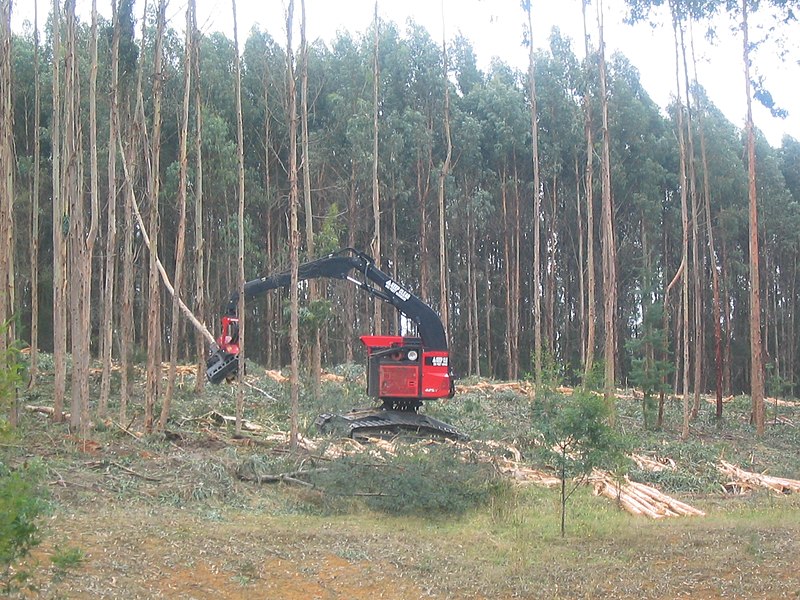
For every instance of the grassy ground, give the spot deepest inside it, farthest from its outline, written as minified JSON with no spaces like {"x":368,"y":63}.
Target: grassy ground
{"x":169,"y":516}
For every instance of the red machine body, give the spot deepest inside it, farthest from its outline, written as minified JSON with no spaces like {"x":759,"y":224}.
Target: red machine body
{"x":228,"y":338}
{"x":400,"y":368}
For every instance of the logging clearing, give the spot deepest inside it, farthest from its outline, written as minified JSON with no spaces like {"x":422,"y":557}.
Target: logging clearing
{"x":317,"y":520}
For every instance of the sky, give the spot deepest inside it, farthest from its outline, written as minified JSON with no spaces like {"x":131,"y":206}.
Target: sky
{"x":495,"y":28}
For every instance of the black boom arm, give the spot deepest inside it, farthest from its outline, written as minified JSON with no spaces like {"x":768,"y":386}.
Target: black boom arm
{"x":340,"y":265}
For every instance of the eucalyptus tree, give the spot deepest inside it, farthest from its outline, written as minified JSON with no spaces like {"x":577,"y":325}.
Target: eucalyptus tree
{"x":294,"y":232}
{"x":183,"y":168}
{"x":78,"y":266}
{"x":111,"y":221}
{"x":7,"y":299}
{"x":643,"y":148}
{"x":59,"y":240}
{"x":421,"y":92}
{"x":444,"y":172}
{"x":560,"y":128}
{"x":588,"y":128}
{"x":501,"y":109}
{"x":132,"y":66}
{"x":199,"y":244}
{"x":375,"y":244}
{"x":607,"y":225}
{"x":35,"y":192}
{"x":741,"y":12}
{"x":537,"y":201}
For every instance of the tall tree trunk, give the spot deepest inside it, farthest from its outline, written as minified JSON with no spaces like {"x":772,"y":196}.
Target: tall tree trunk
{"x":180,"y":249}
{"x":199,"y":241}
{"x":350,"y":296}
{"x":685,"y":231}
{"x":591,"y":286}
{"x":294,"y":233}
{"x":313,"y":287}
{"x":581,"y":272}
{"x":37,"y":107}
{"x":137,"y":147}
{"x":272,"y":347}
{"x":537,"y":205}
{"x":607,"y":224}
{"x":111,"y":226}
{"x":756,"y":361}
{"x":376,"y":204}
{"x":240,"y":255}
{"x":73,"y":188}
{"x":88,"y":238}
{"x":152,"y":388}
{"x":7,"y":166}
{"x":713,"y":261}
{"x":126,"y":310}
{"x":423,"y":189}
{"x":696,"y":259}
{"x":60,"y":216}
{"x":444,"y":297}
{"x":509,"y":345}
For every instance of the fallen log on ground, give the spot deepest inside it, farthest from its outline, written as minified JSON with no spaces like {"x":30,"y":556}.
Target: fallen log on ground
{"x":743,"y":481}
{"x":654,"y":465}
{"x":526,"y":475}
{"x":46,"y":410}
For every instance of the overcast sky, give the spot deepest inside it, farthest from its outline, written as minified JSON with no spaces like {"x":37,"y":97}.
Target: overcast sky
{"x":495,"y":28}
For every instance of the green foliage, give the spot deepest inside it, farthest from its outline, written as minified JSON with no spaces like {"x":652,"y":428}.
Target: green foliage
{"x":12,"y":373}
{"x":326,"y":240}
{"x":576,"y":439}
{"x":430,"y":482}
{"x":648,"y":373}
{"x":595,"y":378}
{"x":67,"y":558}
{"x":20,"y":506}
{"x":777,"y":385}
{"x":553,"y":371}
{"x":312,"y":315}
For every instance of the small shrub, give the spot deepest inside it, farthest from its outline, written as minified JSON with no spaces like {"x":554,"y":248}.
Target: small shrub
{"x":20,"y":506}
{"x":67,"y":558}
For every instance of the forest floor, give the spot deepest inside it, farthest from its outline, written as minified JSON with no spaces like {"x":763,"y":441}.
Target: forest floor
{"x":181,"y":514}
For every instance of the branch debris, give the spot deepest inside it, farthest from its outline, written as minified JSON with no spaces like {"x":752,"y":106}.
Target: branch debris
{"x":742,"y":481}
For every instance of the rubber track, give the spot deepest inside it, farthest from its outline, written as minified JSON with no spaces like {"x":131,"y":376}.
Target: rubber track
{"x":388,"y":423}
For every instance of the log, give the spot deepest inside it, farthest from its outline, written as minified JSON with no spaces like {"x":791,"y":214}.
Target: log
{"x":750,"y":480}
{"x":640,"y":499}
{"x":46,"y":410}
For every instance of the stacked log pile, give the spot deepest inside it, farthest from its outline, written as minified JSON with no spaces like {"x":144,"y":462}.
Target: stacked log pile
{"x":640,"y":499}
{"x":742,"y":481}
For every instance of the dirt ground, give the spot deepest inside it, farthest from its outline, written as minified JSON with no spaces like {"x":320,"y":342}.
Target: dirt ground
{"x":198,"y":558}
